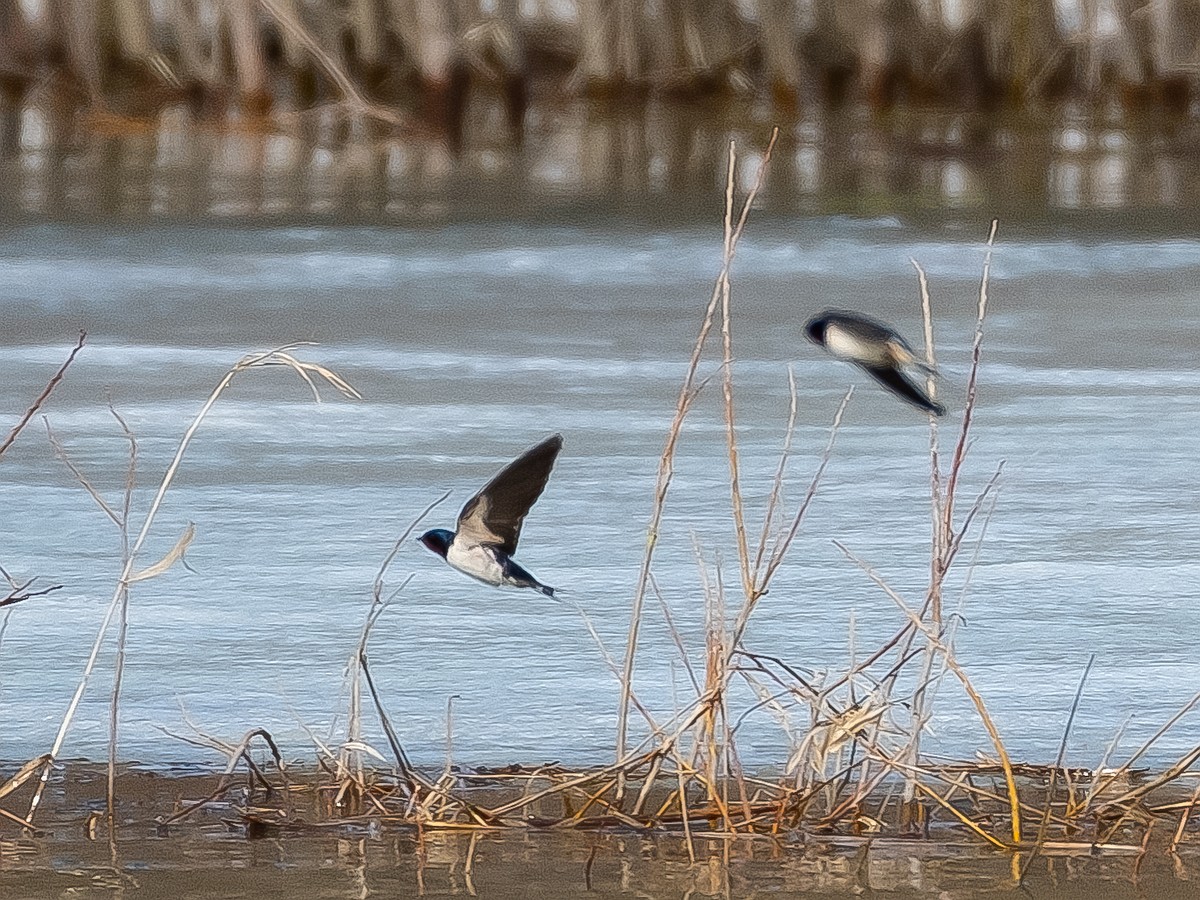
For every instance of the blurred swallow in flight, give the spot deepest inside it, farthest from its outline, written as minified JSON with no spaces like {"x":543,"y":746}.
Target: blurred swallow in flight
{"x":877,"y":350}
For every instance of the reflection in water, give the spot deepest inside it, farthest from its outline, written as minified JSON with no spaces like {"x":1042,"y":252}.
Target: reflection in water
{"x":574,"y":158}
{"x":205,"y":862}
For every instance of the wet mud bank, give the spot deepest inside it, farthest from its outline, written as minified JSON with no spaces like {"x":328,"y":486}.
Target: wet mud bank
{"x":242,"y":840}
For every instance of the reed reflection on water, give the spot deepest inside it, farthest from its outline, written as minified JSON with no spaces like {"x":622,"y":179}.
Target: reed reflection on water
{"x":655,"y":161}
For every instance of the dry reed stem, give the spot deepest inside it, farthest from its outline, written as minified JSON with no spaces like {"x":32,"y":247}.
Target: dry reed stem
{"x":624,"y":767}
{"x":121,"y":520}
{"x":279,"y":356}
{"x":960,"y":448}
{"x":43,"y":396}
{"x":666,"y":465}
{"x":978,"y":793}
{"x":404,"y":768}
{"x":1058,"y":761}
{"x":721,"y":653}
{"x":15,"y":819}
{"x":776,"y":494}
{"x":1183,"y":820}
{"x":780,"y":549}
{"x":984,"y":495}
{"x":687,"y":825}
{"x":60,"y":452}
{"x":952,"y":664}
{"x":1102,"y":784}
{"x":938,"y":540}
{"x":358,"y":663}
{"x":748,"y":568}
{"x":611,"y":664}
{"x":944,"y":542}
{"x":1127,"y":800}
{"x":739,"y":520}
{"x":961,"y":816}
{"x":123,"y":624}
{"x":590,"y":800}
{"x":23,"y":775}
{"x":676,"y":636}
{"x":931,"y":388}
{"x":1109,"y":749}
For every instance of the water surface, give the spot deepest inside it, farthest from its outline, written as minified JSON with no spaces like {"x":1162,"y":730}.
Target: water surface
{"x":470,"y":343}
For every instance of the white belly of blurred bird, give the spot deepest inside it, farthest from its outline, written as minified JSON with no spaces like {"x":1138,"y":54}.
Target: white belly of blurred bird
{"x":477,"y":561}
{"x":845,"y":345}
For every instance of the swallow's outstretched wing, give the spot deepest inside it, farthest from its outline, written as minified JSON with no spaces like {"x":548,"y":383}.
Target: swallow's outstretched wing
{"x":494,"y":515}
{"x":896,"y":381}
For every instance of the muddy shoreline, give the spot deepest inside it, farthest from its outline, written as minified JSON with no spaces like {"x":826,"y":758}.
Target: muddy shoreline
{"x":215,"y":853}
{"x":223,"y":848}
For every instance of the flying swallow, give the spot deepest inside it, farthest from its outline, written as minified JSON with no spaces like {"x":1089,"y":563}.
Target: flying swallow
{"x":877,"y":350}
{"x":490,"y":523}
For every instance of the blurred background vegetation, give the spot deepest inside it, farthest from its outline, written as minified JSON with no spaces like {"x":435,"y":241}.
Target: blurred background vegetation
{"x":419,"y":108}
{"x":884,"y":51}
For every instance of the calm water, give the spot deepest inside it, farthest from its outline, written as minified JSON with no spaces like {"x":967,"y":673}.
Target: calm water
{"x":470,"y":343}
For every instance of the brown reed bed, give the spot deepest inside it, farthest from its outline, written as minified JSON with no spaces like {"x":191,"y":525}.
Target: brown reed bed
{"x":855,"y":768}
{"x":794,"y":50}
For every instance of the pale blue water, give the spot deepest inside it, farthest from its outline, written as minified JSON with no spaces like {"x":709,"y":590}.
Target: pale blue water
{"x":470,"y":343}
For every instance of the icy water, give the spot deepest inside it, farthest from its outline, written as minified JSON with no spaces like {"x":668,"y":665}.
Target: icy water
{"x":470,"y":343}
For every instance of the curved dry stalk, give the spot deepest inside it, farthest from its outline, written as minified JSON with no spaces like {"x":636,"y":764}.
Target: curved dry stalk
{"x":357,"y":663}
{"x":354,"y":718}
{"x":278,"y":356}
{"x":236,"y":753}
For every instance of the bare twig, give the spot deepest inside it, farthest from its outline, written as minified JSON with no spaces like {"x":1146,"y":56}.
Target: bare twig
{"x":43,"y":396}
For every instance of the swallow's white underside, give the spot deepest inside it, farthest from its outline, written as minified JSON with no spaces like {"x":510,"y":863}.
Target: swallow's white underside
{"x":477,"y":561}
{"x":846,"y":345}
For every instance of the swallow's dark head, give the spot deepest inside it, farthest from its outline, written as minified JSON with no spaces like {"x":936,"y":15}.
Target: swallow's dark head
{"x":815,"y":329}
{"x":438,"y":540}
